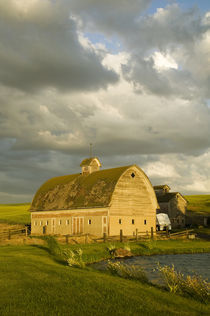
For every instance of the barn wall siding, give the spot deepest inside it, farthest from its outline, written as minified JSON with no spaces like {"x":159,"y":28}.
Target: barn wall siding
{"x":133,"y":197}
{"x":57,"y":223}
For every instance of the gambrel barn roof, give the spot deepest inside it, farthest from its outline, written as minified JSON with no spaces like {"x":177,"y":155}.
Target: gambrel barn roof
{"x":165,"y":198}
{"x":78,"y":191}
{"x":162,"y":186}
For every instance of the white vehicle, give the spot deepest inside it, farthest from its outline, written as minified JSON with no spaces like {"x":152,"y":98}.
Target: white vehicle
{"x":162,"y":222}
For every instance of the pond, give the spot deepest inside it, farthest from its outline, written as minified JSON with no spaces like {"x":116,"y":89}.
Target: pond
{"x":188,"y":264}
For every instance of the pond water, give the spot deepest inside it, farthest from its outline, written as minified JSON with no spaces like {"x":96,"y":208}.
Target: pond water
{"x":188,"y":264}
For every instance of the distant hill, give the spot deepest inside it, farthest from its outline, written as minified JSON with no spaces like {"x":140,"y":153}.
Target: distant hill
{"x":15,"y":213}
{"x":198,"y":204}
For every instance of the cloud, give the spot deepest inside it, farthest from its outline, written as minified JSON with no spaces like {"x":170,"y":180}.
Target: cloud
{"x":39,"y":48}
{"x":142,"y":103}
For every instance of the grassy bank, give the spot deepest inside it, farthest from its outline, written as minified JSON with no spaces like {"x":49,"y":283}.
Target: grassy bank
{"x":15,"y":213}
{"x":98,"y":252}
{"x":32,"y":283}
{"x":198,"y":204}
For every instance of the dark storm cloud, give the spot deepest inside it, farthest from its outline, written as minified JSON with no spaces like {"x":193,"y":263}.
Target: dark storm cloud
{"x":49,"y":114}
{"x":110,"y":17}
{"x":39,"y":48}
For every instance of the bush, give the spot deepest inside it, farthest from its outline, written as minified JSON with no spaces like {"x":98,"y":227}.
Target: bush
{"x":127,"y":247}
{"x":53,"y":246}
{"x":111,"y":248}
{"x":74,"y":258}
{"x":127,"y":271}
{"x":192,"y":286}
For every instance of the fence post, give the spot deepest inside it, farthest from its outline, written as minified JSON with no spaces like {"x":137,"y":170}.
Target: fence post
{"x":152,"y":233}
{"x":121,"y":235}
{"x":136,"y":234}
{"x":26,"y":231}
{"x":67,"y":239}
{"x":167,"y":233}
{"x":104,"y":237}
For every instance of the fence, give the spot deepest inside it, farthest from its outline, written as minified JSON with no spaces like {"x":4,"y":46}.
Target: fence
{"x":10,"y":233}
{"x":141,"y":236}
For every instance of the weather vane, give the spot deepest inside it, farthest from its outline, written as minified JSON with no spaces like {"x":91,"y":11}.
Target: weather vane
{"x":91,"y":150}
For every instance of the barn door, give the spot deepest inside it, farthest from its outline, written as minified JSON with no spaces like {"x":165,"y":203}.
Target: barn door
{"x":104,"y":224}
{"x":77,"y":225}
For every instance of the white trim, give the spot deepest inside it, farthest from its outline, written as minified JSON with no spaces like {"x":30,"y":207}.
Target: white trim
{"x":104,"y":225}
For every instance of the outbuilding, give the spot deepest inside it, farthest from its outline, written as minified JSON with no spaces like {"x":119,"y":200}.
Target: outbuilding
{"x":96,"y":202}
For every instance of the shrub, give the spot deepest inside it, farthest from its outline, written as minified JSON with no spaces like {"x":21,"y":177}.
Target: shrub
{"x":53,"y":246}
{"x":192,"y":286}
{"x":127,"y":271}
{"x":127,"y":247}
{"x":111,"y":248}
{"x":74,"y":258}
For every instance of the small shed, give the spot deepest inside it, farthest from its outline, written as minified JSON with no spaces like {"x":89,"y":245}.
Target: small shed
{"x":175,"y":205}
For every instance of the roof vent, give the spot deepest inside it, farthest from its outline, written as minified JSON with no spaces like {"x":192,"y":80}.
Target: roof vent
{"x":90,"y":165}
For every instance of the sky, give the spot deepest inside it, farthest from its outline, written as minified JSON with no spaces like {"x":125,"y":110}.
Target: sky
{"x":132,"y":77}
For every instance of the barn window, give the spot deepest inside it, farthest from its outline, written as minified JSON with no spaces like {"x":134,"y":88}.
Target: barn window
{"x":89,"y":222}
{"x":120,"y":221}
{"x":47,"y":222}
{"x":40,"y":223}
{"x":67,"y":222}
{"x":133,"y":222}
{"x":145,"y":222}
{"x":35,"y":223}
{"x":132,"y":175}
{"x":59,"y":222}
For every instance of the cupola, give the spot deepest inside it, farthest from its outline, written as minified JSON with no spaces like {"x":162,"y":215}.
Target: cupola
{"x":90,"y":165}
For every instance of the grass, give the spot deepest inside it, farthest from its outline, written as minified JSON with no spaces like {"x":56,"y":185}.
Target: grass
{"x":97,"y":252}
{"x":32,"y":283}
{"x":15,"y":213}
{"x":198,"y":204}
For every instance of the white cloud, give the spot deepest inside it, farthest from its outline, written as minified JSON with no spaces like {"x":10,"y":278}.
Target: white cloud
{"x":163,"y":61}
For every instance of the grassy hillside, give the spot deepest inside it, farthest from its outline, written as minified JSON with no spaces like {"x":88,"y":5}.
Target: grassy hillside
{"x":31,"y":283}
{"x":15,"y":213}
{"x":198,"y":204}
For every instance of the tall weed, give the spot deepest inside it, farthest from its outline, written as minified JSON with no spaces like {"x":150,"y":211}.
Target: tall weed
{"x":74,"y":258}
{"x":127,"y":271}
{"x":192,"y":286}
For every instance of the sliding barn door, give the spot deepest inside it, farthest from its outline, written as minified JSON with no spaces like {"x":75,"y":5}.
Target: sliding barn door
{"x":77,"y":225}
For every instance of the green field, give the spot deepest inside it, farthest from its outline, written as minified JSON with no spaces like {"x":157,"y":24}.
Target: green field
{"x":198,"y":204}
{"x":15,"y":213}
{"x":32,"y":283}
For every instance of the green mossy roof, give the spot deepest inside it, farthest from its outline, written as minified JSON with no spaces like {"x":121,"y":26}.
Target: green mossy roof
{"x":77,"y":191}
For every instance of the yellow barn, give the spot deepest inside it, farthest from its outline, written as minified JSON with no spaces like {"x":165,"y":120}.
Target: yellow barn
{"x":96,"y":202}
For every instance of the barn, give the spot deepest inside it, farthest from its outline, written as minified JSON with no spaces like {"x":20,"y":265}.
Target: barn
{"x":95,"y":202}
{"x":173,"y":204}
